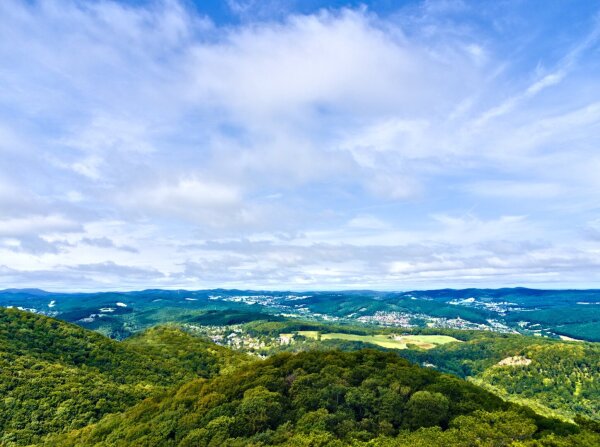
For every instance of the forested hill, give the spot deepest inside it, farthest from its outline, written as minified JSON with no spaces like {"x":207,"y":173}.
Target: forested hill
{"x":56,"y":376}
{"x":555,"y":378}
{"x":62,"y":385}
{"x":362,"y":398}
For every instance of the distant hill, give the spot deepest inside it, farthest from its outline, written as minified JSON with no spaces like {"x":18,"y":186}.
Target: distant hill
{"x":553,"y":313}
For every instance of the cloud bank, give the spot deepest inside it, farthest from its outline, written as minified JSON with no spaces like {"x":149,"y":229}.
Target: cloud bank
{"x":437,"y":144}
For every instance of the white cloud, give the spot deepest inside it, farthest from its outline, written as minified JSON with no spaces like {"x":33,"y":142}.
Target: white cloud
{"x":340,"y":147}
{"x":37,"y":224}
{"x":206,"y":202}
{"x":366,"y":222}
{"x":516,"y":189}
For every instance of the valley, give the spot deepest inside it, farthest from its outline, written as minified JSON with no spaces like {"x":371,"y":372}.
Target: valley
{"x":162,"y":377}
{"x":546,"y":313}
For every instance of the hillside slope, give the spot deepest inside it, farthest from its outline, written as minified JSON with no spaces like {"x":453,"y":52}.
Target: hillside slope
{"x":56,"y":376}
{"x":555,"y":378}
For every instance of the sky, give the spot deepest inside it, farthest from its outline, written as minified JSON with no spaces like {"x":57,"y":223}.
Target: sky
{"x":300,"y":145}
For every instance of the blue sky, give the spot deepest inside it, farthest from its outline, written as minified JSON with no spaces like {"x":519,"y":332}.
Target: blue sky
{"x":299,"y":144}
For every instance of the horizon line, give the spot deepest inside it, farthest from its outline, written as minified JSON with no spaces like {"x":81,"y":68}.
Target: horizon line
{"x":283,"y":290}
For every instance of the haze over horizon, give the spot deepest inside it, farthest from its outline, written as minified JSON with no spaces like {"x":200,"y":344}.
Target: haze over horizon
{"x":299,"y":145}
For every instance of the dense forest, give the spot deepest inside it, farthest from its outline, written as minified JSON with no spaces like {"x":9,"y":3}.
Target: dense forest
{"x":560,"y":379}
{"x":56,"y":376}
{"x":330,"y":398}
{"x":66,"y":386}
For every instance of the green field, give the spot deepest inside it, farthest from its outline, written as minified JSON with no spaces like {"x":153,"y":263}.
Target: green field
{"x":384,"y":340}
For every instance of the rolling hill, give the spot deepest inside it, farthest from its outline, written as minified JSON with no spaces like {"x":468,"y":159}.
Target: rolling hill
{"x":556,"y":378}
{"x":63,"y":385}
{"x":330,"y":398}
{"x":553,"y":313}
{"x":56,"y":376}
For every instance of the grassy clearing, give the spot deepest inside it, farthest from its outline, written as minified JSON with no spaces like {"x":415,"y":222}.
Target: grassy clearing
{"x":380,"y":340}
{"x":309,"y":334}
{"x":434,"y":339}
{"x":385,"y":341}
